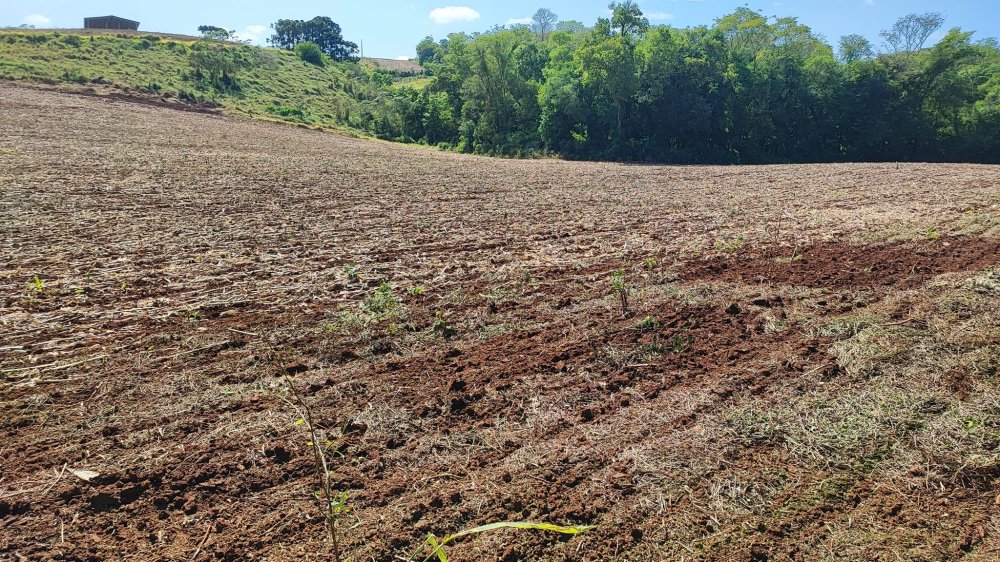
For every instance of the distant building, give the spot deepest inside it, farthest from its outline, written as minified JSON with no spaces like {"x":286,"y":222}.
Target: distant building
{"x":110,"y":22}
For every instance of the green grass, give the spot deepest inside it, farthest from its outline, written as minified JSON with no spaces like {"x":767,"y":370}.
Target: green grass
{"x":415,"y":82}
{"x":277,"y":86}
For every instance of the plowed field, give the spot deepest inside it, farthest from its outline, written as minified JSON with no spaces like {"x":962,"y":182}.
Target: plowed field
{"x":806,"y":367}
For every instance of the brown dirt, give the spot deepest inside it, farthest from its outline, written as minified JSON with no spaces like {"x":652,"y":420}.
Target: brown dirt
{"x":188,"y":263}
{"x":838,"y":266}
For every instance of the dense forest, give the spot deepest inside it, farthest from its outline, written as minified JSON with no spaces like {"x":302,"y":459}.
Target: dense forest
{"x":748,"y":89}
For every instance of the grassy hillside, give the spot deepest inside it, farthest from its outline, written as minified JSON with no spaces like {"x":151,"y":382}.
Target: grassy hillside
{"x":260,"y":83}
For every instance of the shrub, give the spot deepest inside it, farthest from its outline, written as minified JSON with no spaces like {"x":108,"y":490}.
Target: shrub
{"x":288,"y":111}
{"x":309,"y":52}
{"x":74,"y":76}
{"x":215,"y":66}
{"x":73,"y":41}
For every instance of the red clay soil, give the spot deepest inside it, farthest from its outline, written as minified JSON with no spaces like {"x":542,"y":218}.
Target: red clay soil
{"x":835,"y":266}
{"x":189,"y":265}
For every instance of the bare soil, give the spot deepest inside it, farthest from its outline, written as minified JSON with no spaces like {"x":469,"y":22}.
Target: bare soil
{"x":807,"y":368}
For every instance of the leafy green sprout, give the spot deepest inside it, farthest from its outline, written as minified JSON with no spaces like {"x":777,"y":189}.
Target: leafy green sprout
{"x":441,"y":327}
{"x":351,"y":272}
{"x":650,"y":263}
{"x":728,"y":246}
{"x":681,"y":343}
{"x":36,"y":290}
{"x":436,"y":545}
{"x":382,"y":301}
{"x":649,"y":324}
{"x":785,"y":261}
{"x":621,"y":289}
{"x":415,"y":291}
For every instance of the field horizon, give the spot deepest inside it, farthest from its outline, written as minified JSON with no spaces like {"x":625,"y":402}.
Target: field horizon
{"x":754,"y":363}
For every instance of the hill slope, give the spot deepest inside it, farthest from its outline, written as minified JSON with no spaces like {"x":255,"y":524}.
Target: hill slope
{"x":260,"y":83}
{"x":806,"y":368}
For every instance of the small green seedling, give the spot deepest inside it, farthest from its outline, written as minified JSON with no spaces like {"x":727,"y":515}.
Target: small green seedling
{"x":352,"y":273}
{"x":36,"y":290}
{"x":442,"y":328}
{"x":382,"y":301}
{"x":621,"y":288}
{"x":728,"y":246}
{"x":681,"y":343}
{"x":649,"y":324}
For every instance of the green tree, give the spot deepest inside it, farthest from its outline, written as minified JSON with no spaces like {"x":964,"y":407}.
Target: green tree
{"x":854,"y":48}
{"x":501,"y":92}
{"x":322,"y":31}
{"x":627,"y":19}
{"x":544,"y":22}
{"x":440,"y":125}
{"x":911,"y":32}
{"x":562,"y":124}
{"x":746,"y":32}
{"x":216,"y":33}
{"x":609,"y":72}
{"x":309,"y":52}
{"x":215,"y":65}
{"x":750,"y":88}
{"x":571,"y":26}
{"x":428,"y":51}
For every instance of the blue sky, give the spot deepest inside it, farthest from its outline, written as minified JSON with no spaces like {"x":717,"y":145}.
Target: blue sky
{"x":392,"y":28}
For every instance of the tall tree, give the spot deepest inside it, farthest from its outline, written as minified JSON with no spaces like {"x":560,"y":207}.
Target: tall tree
{"x":855,"y":48}
{"x":608,"y":71}
{"x":428,"y":51}
{"x":911,"y":32}
{"x":746,"y":32}
{"x":543,"y":22}
{"x":320,"y":30}
{"x":217,"y":33}
{"x":750,"y":88}
{"x":627,"y":19}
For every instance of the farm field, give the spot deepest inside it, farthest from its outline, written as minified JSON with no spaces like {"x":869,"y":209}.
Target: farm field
{"x":806,"y":367}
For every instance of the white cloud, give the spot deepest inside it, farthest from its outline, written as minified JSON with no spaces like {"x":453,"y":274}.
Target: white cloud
{"x":252,"y":33}
{"x":402,"y":57}
{"x":519,"y":21}
{"x":452,"y":14}
{"x":37,"y":19}
{"x":659,"y":16}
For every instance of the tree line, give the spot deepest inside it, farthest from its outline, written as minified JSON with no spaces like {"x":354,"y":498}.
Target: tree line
{"x":748,"y":89}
